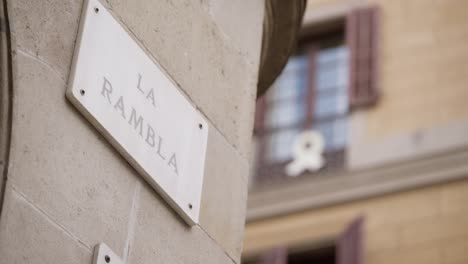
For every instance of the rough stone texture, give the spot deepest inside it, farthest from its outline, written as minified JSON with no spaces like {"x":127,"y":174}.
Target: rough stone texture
{"x":226,"y":15}
{"x":224,"y":195}
{"x":161,"y":237}
{"x":74,"y":181}
{"x":73,"y":173}
{"x":46,"y":29}
{"x":28,"y":236}
{"x":164,"y":29}
{"x":99,"y":207}
{"x":222,"y":84}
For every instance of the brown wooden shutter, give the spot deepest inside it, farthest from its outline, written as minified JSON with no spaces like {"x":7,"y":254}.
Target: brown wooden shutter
{"x":277,"y":255}
{"x":362,"y":40}
{"x":310,"y":82}
{"x":350,"y":244}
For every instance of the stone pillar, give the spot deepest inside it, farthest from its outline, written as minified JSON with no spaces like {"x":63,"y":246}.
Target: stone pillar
{"x":67,"y":189}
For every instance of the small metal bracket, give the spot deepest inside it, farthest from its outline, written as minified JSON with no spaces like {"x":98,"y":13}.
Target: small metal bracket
{"x":104,"y":255}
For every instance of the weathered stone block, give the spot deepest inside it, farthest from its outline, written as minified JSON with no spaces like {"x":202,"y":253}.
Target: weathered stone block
{"x":47,"y":30}
{"x":82,"y":190}
{"x":160,"y":236}
{"x":62,"y":164}
{"x":223,"y":85}
{"x":29,"y":236}
{"x":245,"y":32}
{"x":224,"y":195}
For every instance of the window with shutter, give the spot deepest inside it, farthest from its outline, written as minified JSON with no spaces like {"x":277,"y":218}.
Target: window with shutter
{"x":362,"y":41}
{"x":350,"y":244}
{"x":311,"y":93}
{"x":328,"y":75}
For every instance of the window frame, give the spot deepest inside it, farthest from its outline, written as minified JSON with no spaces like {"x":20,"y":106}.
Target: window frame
{"x":266,"y":171}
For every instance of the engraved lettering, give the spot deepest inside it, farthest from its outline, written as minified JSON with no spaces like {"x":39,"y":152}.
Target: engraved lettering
{"x":173,"y":162}
{"x":120,"y":106}
{"x":150,"y":95}
{"x":159,"y":148}
{"x":138,"y":85}
{"x":106,"y":89}
{"x":150,"y":136}
{"x":137,"y":123}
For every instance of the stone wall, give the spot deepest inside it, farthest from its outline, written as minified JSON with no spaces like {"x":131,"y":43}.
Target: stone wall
{"x":424,"y":66}
{"x":68,"y":189}
{"x":426,"y":225}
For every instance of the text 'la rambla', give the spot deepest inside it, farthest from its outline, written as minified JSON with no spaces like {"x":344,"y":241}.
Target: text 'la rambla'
{"x":137,"y":121}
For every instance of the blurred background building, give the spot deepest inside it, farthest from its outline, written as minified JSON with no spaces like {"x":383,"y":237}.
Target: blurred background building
{"x":385,"y":84}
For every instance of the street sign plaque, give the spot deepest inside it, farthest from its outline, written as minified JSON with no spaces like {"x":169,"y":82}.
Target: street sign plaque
{"x":131,"y":100}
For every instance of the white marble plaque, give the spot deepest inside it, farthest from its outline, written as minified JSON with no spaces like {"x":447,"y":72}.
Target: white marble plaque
{"x":129,"y":98}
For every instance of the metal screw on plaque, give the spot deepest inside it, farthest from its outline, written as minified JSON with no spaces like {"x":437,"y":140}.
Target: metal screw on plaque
{"x":190,"y":206}
{"x":107,"y":259}
{"x":200,"y":126}
{"x":82,"y":92}
{"x":96,"y":10}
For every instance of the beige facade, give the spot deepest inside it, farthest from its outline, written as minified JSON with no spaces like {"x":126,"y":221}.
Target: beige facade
{"x":67,"y":189}
{"x":426,"y":225}
{"x":406,"y":158}
{"x":423,"y":61}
